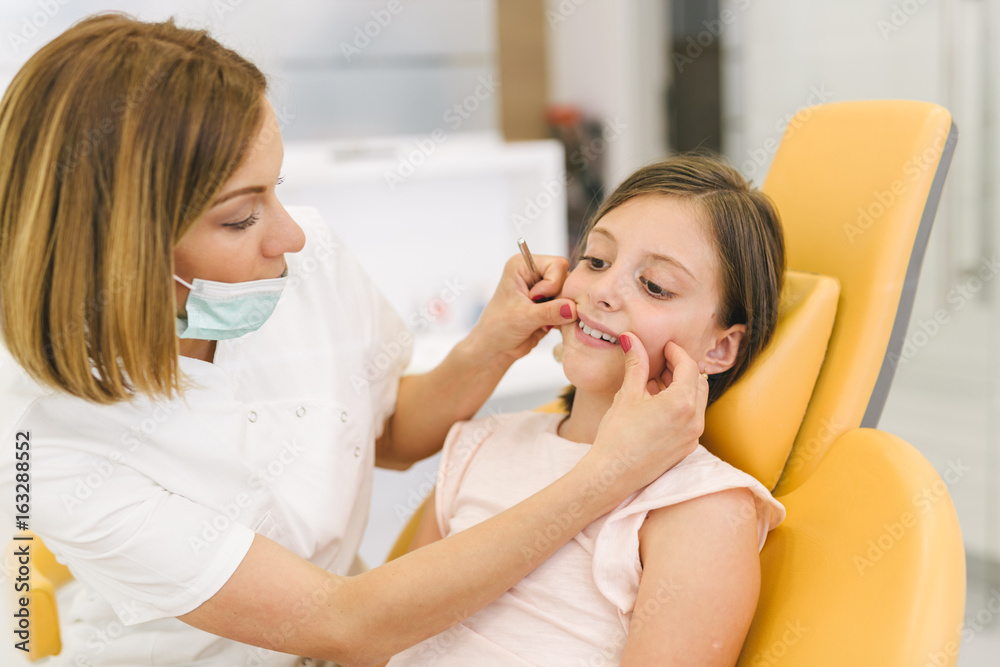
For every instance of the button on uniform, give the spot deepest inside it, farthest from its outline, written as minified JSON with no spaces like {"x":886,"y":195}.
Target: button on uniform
{"x":252,"y":416}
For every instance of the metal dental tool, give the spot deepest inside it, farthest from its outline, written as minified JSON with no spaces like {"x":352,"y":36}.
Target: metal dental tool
{"x":536,"y":277}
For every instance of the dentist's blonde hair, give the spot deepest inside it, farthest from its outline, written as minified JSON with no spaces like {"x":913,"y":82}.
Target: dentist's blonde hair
{"x":114,"y":138}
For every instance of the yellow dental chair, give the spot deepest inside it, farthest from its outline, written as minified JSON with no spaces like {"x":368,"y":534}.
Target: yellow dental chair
{"x":868,"y":567}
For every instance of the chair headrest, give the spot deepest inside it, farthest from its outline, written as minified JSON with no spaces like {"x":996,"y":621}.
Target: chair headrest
{"x":753,"y":425}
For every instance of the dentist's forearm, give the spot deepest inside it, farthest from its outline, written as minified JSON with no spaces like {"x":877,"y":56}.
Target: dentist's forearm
{"x":280,"y":601}
{"x":426,"y":591}
{"x":430,"y":403}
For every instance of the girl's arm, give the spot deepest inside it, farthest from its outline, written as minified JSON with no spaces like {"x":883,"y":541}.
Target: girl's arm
{"x":700,"y":582}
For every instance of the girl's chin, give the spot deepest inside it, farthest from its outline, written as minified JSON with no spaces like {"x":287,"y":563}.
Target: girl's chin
{"x":592,"y":380}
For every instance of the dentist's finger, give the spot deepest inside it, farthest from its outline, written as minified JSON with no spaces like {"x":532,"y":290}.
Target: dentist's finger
{"x":636,"y":366}
{"x":554,"y":271}
{"x":686,"y":374}
{"x":553,"y":313}
{"x":680,"y":364}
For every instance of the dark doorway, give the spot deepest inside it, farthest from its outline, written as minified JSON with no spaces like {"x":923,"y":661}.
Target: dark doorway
{"x":694,"y":103}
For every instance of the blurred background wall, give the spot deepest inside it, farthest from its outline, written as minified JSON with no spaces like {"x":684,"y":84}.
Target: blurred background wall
{"x":432,"y":133}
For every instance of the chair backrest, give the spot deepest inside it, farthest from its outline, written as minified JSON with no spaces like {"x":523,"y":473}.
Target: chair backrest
{"x":857,"y":185}
{"x":869,"y":566}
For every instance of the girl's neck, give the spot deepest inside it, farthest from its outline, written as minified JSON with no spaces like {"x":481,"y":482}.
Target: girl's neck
{"x":585,"y":416}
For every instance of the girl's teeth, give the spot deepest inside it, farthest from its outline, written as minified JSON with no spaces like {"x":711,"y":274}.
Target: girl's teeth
{"x":594,"y":333}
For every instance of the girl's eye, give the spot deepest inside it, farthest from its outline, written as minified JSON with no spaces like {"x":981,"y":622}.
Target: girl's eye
{"x":595,"y":263}
{"x":655,"y":289}
{"x":243,"y":224}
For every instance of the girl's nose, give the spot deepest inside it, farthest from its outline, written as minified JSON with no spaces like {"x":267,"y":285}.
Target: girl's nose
{"x":607,"y":291}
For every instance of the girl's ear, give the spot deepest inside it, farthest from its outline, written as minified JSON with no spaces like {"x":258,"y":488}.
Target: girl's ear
{"x":722,"y":356}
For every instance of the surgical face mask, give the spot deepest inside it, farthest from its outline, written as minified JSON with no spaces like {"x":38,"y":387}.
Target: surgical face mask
{"x":218,"y":311}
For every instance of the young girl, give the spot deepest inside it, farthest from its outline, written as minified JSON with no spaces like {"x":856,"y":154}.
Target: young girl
{"x":682,"y":253}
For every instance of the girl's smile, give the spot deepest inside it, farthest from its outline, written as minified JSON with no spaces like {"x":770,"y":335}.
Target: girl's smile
{"x":593,"y":334}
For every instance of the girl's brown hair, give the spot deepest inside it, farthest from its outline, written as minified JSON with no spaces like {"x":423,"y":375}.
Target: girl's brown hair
{"x":114,"y":138}
{"x":745,"y":227}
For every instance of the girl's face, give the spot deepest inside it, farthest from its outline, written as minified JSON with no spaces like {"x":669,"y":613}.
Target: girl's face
{"x":246,"y":232}
{"x":650,"y":267}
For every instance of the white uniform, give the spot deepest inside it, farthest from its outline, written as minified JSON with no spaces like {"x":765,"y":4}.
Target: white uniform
{"x":154,"y":505}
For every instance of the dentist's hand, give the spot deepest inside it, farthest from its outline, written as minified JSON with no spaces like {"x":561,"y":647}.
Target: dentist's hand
{"x":644,"y":435}
{"x":513,"y":322}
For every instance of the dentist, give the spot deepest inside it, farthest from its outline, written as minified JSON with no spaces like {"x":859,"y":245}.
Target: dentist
{"x":206,"y":379}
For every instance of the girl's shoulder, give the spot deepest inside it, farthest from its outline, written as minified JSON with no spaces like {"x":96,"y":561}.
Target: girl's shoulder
{"x":700,"y":474}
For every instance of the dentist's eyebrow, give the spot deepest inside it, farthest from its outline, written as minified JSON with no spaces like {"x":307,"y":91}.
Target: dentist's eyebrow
{"x":255,"y":189}
{"x":673,"y":261}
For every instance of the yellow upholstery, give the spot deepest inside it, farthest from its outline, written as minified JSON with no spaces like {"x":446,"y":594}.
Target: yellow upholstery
{"x":868,"y":567}
{"x":46,"y":564}
{"x":45,"y":576}
{"x":753,"y":425}
{"x":857,"y":185}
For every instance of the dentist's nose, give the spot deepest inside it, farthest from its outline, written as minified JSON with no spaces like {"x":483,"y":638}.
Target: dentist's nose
{"x":286,"y":235}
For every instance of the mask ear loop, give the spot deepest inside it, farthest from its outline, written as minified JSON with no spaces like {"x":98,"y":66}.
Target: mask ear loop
{"x":188,"y":285}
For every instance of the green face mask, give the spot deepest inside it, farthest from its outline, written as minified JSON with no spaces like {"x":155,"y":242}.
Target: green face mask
{"x":218,"y":311}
